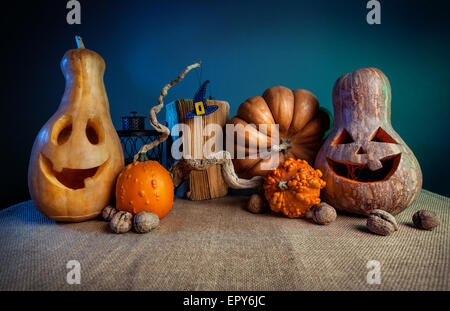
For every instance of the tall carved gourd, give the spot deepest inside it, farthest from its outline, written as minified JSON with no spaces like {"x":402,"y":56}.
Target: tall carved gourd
{"x":364,"y":162}
{"x":77,"y":155}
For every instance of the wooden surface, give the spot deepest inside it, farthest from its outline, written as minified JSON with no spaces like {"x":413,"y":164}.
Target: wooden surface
{"x":208,"y":184}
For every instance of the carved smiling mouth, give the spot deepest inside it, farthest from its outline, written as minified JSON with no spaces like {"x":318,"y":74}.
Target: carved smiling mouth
{"x":361,"y":173}
{"x":69,"y":177}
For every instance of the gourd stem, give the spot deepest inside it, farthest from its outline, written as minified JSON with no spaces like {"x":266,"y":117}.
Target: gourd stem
{"x":143,"y":157}
{"x":79,"y":41}
{"x":283,"y":185}
{"x":285,"y":144}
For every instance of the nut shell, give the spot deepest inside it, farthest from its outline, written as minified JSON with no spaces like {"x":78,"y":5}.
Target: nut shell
{"x":257,"y":204}
{"x":109,"y":212}
{"x":425,"y":220}
{"x":381,"y":222}
{"x":145,"y":222}
{"x":323,"y":213}
{"x":121,"y":222}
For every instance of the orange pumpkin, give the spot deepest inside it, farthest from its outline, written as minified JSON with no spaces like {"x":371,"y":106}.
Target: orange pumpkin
{"x":302,"y":127}
{"x":145,"y":186}
{"x":293,"y":188}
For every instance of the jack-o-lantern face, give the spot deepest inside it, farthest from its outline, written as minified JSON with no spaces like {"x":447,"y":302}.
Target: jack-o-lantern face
{"x":365,"y":162}
{"x":368,"y":169}
{"x":77,"y":155}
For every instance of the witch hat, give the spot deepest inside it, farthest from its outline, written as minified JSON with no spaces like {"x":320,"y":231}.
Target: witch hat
{"x":200,"y":106}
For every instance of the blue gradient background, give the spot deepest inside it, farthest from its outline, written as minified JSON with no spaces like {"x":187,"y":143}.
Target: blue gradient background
{"x":245,"y":48}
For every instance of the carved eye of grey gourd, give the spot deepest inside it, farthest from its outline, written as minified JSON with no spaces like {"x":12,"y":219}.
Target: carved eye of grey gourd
{"x":379,"y":136}
{"x":343,"y":138}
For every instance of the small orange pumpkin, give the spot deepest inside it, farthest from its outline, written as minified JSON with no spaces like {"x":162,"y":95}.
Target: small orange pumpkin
{"x":293,"y":188}
{"x":145,"y":186}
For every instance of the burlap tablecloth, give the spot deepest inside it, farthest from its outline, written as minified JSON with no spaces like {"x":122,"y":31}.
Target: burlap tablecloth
{"x":218,"y":245}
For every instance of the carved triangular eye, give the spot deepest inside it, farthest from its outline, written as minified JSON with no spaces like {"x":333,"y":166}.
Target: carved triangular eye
{"x":343,"y":138}
{"x":381,"y":136}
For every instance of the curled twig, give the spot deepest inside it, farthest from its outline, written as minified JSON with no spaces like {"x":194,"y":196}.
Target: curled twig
{"x":164,"y":130}
{"x":181,"y":169}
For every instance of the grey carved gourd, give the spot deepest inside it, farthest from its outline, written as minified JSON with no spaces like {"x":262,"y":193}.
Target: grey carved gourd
{"x":364,"y":162}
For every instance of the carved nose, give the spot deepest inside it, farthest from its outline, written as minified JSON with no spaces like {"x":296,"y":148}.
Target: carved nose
{"x":360,"y":151}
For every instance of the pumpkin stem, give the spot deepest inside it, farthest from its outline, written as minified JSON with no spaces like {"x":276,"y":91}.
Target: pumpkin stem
{"x":143,"y":157}
{"x":285,"y":145}
{"x":80,"y":43}
{"x":283,"y":185}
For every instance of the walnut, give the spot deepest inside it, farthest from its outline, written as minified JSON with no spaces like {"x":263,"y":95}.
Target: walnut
{"x":109,"y":212}
{"x":323,"y":213}
{"x":121,"y":222}
{"x":257,"y":204}
{"x":425,"y":220}
{"x":381,"y":222}
{"x":145,"y":222}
